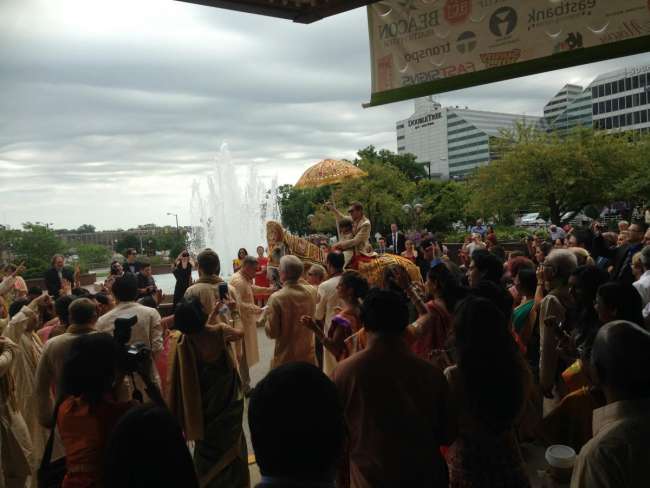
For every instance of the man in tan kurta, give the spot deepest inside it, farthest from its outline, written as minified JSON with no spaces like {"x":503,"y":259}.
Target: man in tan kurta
{"x":20,"y":330}
{"x":83,"y":317}
{"x":293,"y":342}
{"x":15,"y":443}
{"x":361,"y":229}
{"x":243,"y":283}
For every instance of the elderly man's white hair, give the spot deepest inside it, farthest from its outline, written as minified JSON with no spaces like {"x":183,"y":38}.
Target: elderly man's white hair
{"x":292,"y":267}
{"x":563,"y":262}
{"x":318,"y":270}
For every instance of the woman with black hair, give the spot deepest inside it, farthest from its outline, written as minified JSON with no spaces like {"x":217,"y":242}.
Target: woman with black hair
{"x":346,"y":335}
{"x":87,"y":409}
{"x":182,"y":270}
{"x":489,"y":385}
{"x":147,"y":449}
{"x":205,"y":393}
{"x":619,"y":301}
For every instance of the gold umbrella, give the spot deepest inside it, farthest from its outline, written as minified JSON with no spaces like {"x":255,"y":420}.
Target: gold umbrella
{"x":329,"y":172}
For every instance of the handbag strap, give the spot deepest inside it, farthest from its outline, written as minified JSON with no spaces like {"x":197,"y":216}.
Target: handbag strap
{"x":47,"y":453}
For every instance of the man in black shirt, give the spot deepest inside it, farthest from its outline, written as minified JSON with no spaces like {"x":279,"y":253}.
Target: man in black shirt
{"x":131,"y":265}
{"x":56,"y":274}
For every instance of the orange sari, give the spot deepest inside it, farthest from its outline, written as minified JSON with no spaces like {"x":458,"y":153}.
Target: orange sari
{"x":84,"y":431}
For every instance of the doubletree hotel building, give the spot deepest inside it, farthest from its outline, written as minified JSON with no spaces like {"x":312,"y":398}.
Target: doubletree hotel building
{"x":452,"y":141}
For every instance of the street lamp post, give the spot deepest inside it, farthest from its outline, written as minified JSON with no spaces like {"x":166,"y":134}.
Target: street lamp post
{"x":413,"y":210}
{"x":175,"y":215}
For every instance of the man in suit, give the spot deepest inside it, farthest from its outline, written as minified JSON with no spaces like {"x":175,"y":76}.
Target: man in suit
{"x":621,"y":256}
{"x":131,"y":265}
{"x":381,"y":246}
{"x":56,"y":274}
{"x":396,"y":240}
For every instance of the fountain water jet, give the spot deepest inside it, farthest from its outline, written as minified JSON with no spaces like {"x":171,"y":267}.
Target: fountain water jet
{"x":232,"y":215}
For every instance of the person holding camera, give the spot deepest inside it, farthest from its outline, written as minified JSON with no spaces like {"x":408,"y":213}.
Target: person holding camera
{"x":147,"y":283}
{"x":88,"y":406}
{"x":182,"y":270}
{"x":145,"y":330}
{"x":205,"y":391}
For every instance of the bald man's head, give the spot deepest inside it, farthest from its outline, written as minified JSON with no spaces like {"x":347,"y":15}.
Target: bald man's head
{"x":621,"y":359}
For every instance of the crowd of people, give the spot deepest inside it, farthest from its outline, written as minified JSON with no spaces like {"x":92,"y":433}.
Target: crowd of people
{"x":434,"y":383}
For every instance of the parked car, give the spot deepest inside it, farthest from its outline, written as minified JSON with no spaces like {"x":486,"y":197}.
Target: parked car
{"x":533,"y":219}
{"x":576,"y":219}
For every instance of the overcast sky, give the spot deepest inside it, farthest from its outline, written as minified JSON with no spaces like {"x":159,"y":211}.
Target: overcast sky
{"x":109,"y":110}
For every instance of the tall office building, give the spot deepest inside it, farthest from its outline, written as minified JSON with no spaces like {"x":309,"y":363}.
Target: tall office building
{"x":621,"y":100}
{"x":453,"y":141}
{"x":561,"y":101}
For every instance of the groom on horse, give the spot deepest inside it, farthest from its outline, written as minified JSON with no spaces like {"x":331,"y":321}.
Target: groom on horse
{"x":360,"y":241}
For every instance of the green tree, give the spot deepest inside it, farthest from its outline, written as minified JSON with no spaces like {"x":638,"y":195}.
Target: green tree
{"x":551,"y":172}
{"x":405,"y":163}
{"x":444,"y":203}
{"x":86,"y":229}
{"x":93,"y":255}
{"x":382,"y":193}
{"x":173,"y":241}
{"x":297,"y":204}
{"x":35,"y":244}
{"x":634,"y":187}
{"x":127,"y":241}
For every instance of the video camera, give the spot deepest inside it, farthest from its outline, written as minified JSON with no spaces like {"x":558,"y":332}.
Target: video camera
{"x":133,"y":355}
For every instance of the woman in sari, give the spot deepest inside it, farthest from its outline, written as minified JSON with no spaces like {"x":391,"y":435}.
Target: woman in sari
{"x":489,"y":385}
{"x":205,"y":393}
{"x":346,"y":335}
{"x":410,"y":252}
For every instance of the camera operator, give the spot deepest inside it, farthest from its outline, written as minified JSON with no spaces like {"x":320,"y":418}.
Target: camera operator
{"x":146,"y":329}
{"x":88,"y":407}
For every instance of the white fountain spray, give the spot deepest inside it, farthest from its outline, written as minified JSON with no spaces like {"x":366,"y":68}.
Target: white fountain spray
{"x":233,"y":215}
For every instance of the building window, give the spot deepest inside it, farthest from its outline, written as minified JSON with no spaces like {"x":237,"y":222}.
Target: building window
{"x":644,"y":116}
{"x":399,"y":138}
{"x":608,"y":89}
{"x":621,"y":103}
{"x":637,"y":117}
{"x":621,"y":119}
{"x":608,"y":106}
{"x":401,"y":148}
{"x":621,"y":85}
{"x":628,"y":101}
{"x":594,"y":92}
{"x":628,"y":84}
{"x":643,"y":98}
{"x":628,"y":119}
{"x":616,"y":122}
{"x":635,"y":82}
{"x":642,"y":80}
{"x":615,"y":104}
{"x":636,"y":100}
{"x":601,"y":107}
{"x":614,"y":87}
{"x":608,"y":123}
{"x":601,"y":91}
{"x":594,"y":109}
{"x":401,"y":126}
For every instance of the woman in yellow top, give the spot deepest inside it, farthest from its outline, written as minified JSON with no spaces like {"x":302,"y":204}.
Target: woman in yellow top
{"x":236,"y":263}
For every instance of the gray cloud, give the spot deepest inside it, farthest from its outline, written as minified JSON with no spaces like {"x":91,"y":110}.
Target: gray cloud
{"x":109,"y":110}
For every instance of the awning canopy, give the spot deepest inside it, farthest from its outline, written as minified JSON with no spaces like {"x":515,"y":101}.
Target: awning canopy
{"x":302,"y":11}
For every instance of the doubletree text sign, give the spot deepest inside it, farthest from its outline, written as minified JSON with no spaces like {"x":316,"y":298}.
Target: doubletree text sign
{"x":422,"y":47}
